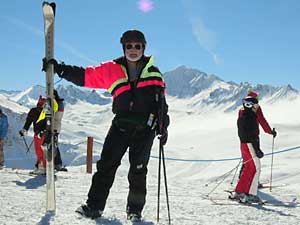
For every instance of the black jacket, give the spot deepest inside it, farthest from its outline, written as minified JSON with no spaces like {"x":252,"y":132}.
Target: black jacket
{"x":137,"y":101}
{"x":32,"y":117}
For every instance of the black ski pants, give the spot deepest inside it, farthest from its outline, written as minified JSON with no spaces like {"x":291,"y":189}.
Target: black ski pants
{"x":120,"y":137}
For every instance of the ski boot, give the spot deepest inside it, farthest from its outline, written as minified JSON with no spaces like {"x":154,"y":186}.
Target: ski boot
{"x":39,"y":169}
{"x":89,"y":212}
{"x":240,"y":197}
{"x":134,"y":217}
{"x":59,"y":167}
{"x":254,"y":199}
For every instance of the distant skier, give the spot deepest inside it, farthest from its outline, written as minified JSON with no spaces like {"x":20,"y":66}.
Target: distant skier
{"x":138,"y":91}
{"x":3,"y":133}
{"x":261,"y":121}
{"x":250,"y":116}
{"x":36,"y":116}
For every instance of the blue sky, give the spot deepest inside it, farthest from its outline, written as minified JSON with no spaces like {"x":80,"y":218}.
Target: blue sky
{"x":237,"y":40}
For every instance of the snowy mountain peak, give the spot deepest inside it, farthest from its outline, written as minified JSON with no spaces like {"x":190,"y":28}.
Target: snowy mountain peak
{"x":208,"y":92}
{"x":186,"y":82}
{"x":70,"y":93}
{"x":29,"y":96}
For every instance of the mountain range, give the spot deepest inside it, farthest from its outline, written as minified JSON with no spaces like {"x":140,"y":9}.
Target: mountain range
{"x":198,"y":88}
{"x":189,"y":92}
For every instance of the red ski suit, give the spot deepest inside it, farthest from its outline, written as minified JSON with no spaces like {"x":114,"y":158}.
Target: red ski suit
{"x":248,"y":181}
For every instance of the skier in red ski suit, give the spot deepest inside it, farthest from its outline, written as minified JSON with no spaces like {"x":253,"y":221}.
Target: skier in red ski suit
{"x":250,"y":117}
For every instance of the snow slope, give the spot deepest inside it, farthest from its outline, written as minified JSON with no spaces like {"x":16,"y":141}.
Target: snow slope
{"x":202,"y":148}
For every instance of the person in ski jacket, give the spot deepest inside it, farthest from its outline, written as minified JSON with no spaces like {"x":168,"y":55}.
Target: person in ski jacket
{"x":36,"y":116}
{"x":58,"y":115}
{"x":249,"y":118}
{"x":260,"y":118}
{"x":138,"y":92}
{"x":3,"y":133}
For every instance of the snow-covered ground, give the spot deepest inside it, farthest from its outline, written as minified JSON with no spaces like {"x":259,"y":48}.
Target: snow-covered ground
{"x":196,"y":142}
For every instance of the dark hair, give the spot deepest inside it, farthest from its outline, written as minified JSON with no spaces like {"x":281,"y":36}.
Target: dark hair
{"x":41,"y":101}
{"x":133,"y":36}
{"x":56,"y":96}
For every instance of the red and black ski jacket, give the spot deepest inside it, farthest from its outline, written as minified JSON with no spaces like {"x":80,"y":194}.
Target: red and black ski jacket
{"x":129,"y":98}
{"x":260,"y":120}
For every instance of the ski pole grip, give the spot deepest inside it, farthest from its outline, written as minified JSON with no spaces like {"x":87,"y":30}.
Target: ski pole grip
{"x":89,"y":155}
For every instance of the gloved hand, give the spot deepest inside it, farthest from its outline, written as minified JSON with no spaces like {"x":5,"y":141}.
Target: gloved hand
{"x":1,"y":141}
{"x":164,"y":136}
{"x":259,"y":153}
{"x":23,"y":132}
{"x":57,"y":67}
{"x":274,"y":133}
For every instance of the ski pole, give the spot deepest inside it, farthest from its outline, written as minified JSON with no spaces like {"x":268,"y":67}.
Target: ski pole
{"x":160,"y":103}
{"x":165,"y":179}
{"x":28,"y":149}
{"x":235,"y":172}
{"x":31,"y":144}
{"x":224,"y":176}
{"x":158,"y":186}
{"x":272,"y":158}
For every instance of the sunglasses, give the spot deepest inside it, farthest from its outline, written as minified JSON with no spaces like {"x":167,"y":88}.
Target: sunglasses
{"x":136,"y":46}
{"x":248,"y":105}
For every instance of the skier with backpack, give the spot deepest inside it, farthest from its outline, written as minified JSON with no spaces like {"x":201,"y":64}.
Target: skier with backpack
{"x":138,"y":89}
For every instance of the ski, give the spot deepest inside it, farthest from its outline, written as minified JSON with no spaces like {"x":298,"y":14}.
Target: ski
{"x":226,"y":201}
{"x":49,"y":18}
{"x":273,"y":186}
{"x":23,"y":172}
{"x":230,"y":201}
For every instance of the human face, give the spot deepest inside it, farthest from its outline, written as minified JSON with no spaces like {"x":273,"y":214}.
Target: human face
{"x":134,"y":51}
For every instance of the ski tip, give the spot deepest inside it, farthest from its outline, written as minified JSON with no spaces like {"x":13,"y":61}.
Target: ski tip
{"x":52,"y":5}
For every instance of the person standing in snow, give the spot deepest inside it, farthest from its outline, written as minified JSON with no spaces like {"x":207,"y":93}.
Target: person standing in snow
{"x":36,"y":116}
{"x":250,"y":116}
{"x":58,"y":115}
{"x":138,"y":92}
{"x":3,"y":133}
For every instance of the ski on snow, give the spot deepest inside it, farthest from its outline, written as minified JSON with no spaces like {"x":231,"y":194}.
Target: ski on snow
{"x":272,"y":186}
{"x":49,"y":18}
{"x":229,"y":201}
{"x":24,"y":172}
{"x":226,"y":201}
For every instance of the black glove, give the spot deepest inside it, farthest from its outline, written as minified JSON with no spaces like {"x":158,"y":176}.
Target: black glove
{"x":255,"y":143}
{"x":274,"y":133}
{"x":259,"y":153}
{"x":164,"y":136}
{"x":56,"y":66}
{"x":23,"y":132}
